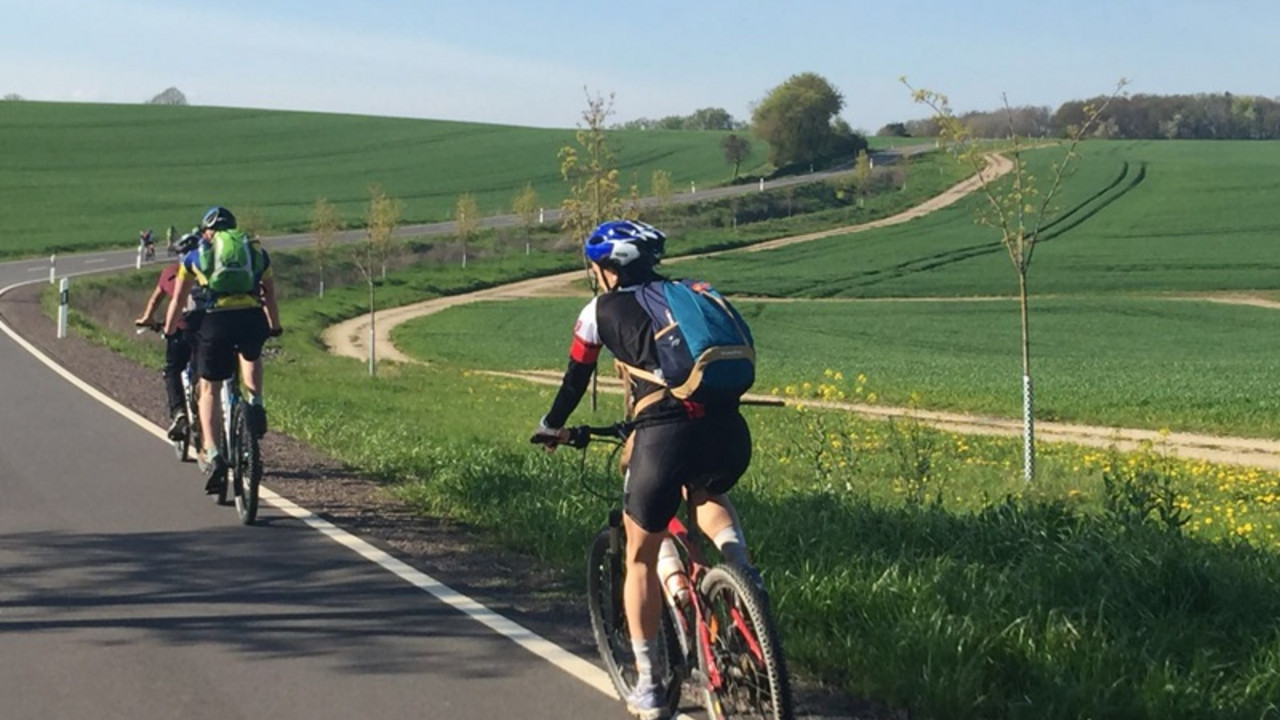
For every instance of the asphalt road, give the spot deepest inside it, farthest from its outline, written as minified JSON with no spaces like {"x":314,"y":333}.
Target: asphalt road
{"x":126,"y":593}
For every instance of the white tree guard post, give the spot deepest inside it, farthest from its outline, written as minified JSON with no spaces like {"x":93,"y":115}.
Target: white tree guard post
{"x":63,"y":297}
{"x":1028,"y":432}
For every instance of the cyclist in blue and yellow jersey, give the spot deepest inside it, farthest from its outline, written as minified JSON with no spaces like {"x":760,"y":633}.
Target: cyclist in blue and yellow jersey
{"x":238,"y":294}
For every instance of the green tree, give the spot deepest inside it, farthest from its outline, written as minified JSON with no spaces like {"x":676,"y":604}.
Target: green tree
{"x":381,"y":219}
{"x":326,"y":223}
{"x":591,"y":171}
{"x":893,"y":129}
{"x":712,"y":118}
{"x":253,"y":222}
{"x":170,"y":96}
{"x":661,"y":190}
{"x":466,"y":221}
{"x":861,"y":179}
{"x":799,"y":121}
{"x":736,"y":149}
{"x":1017,"y":208}
{"x":525,"y":206}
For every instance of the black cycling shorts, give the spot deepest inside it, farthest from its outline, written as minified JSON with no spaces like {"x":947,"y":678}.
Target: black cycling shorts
{"x":225,"y":334}
{"x":711,"y":452}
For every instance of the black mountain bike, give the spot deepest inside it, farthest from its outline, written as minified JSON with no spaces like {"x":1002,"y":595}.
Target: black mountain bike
{"x":722,"y":642}
{"x":189,"y":444}
{"x":240,"y":448}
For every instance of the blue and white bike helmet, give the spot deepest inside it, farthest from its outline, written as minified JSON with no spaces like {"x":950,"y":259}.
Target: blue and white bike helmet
{"x":618,"y":243}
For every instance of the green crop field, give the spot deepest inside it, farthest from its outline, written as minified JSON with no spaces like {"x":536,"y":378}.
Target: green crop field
{"x":83,"y":176}
{"x":1137,"y":216}
{"x":1114,"y":361}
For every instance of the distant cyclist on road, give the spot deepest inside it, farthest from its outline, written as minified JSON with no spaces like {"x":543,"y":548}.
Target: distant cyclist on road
{"x":147,"y":244}
{"x":675,"y":441}
{"x":234,"y":274}
{"x":178,"y":346}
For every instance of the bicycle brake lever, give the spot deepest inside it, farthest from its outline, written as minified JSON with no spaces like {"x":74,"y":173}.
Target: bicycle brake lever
{"x":578,"y":438}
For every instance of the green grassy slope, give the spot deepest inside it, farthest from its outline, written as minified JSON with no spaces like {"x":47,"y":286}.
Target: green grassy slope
{"x":80,"y":176}
{"x":1137,"y":216}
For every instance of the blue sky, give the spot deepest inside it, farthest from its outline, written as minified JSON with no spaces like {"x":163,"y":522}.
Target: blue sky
{"x":527,"y":63}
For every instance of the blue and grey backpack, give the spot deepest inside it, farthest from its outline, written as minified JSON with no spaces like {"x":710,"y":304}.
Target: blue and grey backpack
{"x":705,"y":350}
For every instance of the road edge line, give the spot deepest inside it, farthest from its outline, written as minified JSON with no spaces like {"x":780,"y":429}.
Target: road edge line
{"x":500,"y":624}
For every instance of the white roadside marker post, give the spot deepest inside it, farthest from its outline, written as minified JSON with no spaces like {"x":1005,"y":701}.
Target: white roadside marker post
{"x":63,"y":293}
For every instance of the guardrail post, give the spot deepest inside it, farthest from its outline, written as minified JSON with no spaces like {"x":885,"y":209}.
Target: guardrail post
{"x":63,"y":296}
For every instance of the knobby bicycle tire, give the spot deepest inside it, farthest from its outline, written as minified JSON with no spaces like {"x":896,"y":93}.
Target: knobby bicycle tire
{"x":246,"y":467}
{"x":609,"y":621}
{"x":745,"y":648}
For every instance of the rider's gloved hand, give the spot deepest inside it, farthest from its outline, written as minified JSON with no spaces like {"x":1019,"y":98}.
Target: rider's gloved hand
{"x":549,"y":436}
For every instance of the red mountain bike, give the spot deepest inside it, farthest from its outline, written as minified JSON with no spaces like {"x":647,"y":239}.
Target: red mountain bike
{"x":721,"y":642}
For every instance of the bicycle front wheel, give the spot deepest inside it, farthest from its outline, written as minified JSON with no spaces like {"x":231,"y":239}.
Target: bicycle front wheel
{"x":605,"y":575}
{"x":743,"y":666}
{"x":246,"y":467}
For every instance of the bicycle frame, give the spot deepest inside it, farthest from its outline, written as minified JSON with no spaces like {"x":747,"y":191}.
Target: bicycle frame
{"x":704,"y":623}
{"x":689,"y":539}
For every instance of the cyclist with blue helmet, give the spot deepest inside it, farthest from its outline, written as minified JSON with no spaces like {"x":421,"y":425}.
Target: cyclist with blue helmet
{"x":236,"y":286}
{"x":676,"y":442}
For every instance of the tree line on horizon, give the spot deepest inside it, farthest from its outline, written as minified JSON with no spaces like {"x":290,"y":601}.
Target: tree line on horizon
{"x":1202,"y":116}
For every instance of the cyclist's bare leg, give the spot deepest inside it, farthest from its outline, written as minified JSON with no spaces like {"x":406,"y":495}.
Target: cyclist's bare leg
{"x":251,"y":372}
{"x":210,"y":413}
{"x":641,"y":592}
{"x":716,"y":514}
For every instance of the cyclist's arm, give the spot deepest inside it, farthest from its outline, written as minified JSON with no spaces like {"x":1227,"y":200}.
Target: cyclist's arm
{"x":181,"y":291}
{"x":576,"y":380}
{"x":583,"y":354}
{"x":269,"y":304}
{"x":150,"y":310}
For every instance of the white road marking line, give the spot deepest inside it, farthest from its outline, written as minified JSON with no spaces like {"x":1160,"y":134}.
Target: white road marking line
{"x":534,"y":643}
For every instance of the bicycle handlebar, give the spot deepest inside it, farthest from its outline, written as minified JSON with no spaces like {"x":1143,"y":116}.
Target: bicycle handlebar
{"x":580,"y":436}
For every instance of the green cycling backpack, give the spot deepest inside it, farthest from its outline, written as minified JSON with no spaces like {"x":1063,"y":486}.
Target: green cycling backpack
{"x":231,"y":263}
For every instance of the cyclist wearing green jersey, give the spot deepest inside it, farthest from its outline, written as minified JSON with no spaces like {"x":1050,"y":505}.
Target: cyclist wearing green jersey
{"x":238,"y":297}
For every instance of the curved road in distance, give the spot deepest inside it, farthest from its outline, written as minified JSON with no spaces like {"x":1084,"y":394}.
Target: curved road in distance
{"x":15,"y":271}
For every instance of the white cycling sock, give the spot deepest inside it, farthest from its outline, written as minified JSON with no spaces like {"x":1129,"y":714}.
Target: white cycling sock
{"x":645,"y":661}
{"x":732,"y":545}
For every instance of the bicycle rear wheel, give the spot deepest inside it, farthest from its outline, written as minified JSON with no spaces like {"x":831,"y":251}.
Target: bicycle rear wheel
{"x":246,"y":467}
{"x":609,"y":621}
{"x":744,"y":667}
